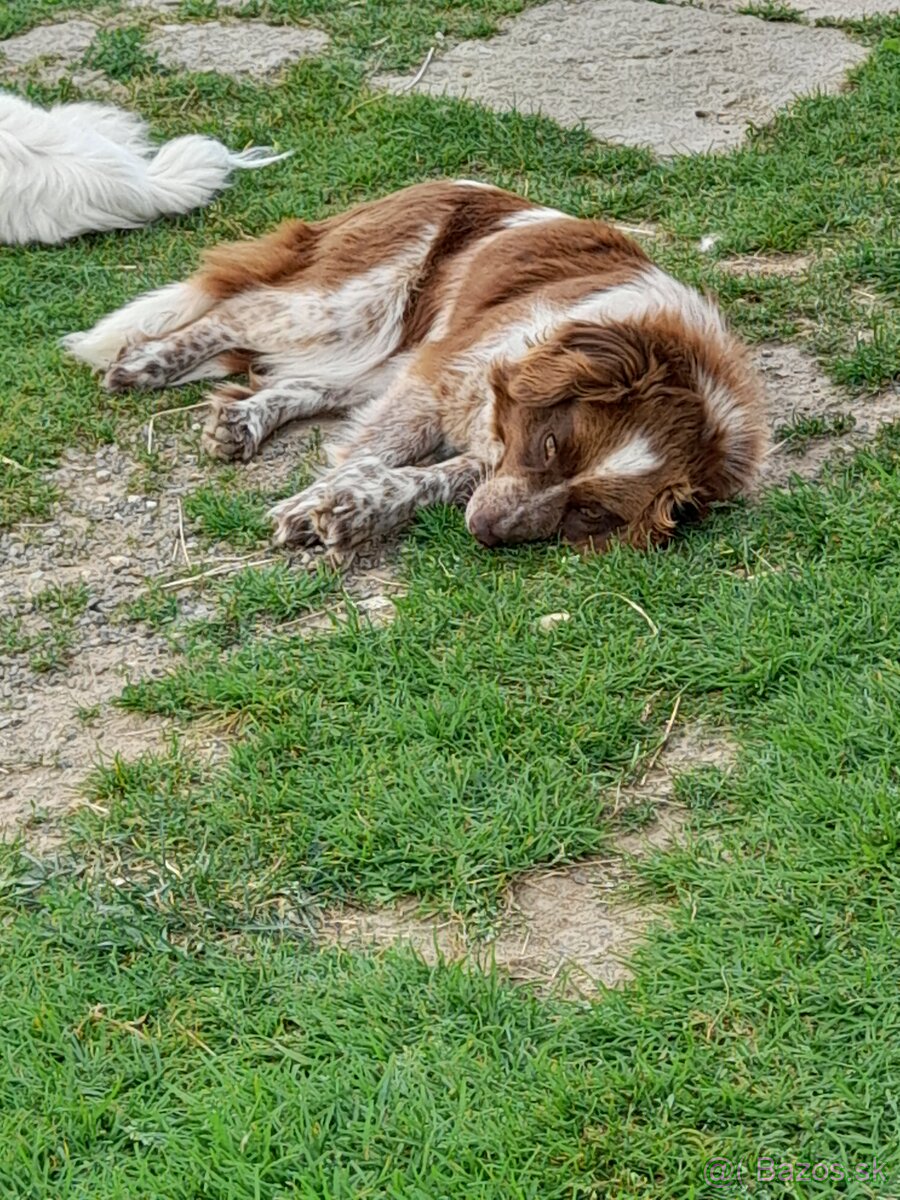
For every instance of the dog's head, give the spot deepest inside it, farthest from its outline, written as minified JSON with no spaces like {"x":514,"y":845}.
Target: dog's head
{"x":616,"y":432}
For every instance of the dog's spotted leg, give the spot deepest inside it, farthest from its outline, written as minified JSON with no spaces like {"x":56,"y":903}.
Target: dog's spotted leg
{"x":166,"y":361}
{"x":365,"y":501}
{"x":240,"y":419}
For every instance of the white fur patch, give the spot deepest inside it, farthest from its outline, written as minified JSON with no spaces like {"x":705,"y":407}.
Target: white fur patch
{"x":532,"y":216}
{"x":333,"y":339}
{"x":636,"y":457}
{"x":81,"y":168}
{"x":723,"y":406}
{"x":511,"y":341}
{"x":151,"y":315}
{"x":651,"y":293}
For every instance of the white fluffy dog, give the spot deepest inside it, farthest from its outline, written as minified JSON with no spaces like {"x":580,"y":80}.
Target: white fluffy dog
{"x":83,"y":168}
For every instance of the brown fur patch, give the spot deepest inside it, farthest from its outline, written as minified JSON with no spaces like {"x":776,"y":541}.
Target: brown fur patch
{"x":563,"y":260}
{"x":478,"y":214}
{"x":327,"y":253}
{"x":274,"y":260}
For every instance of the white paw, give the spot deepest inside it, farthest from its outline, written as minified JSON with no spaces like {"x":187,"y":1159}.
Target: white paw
{"x":293,"y":519}
{"x":233,"y":428}
{"x":140,"y":367}
{"x":344,"y":510}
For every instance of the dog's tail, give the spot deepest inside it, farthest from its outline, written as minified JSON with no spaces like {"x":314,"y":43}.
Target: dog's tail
{"x":148,"y":316}
{"x":187,"y":172}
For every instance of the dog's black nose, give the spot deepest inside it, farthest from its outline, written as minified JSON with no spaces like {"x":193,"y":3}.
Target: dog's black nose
{"x":480,"y":528}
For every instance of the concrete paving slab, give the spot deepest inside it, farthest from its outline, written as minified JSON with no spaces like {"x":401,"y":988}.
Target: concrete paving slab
{"x":676,"y":79}
{"x":234,"y":48}
{"x":811,"y":10}
{"x":66,"y":42}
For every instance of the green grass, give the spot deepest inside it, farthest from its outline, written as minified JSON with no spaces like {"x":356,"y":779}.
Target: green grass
{"x":236,"y":517}
{"x":177,"y":1034}
{"x":226,"y":510}
{"x":797,"y":437}
{"x":769,"y":11}
{"x":121,"y":54}
{"x":170,"y":1027}
{"x":394,"y":35}
{"x":17,"y":16}
{"x":491,"y":746}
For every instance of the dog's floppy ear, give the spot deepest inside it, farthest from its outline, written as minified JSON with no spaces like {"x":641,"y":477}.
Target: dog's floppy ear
{"x":597,"y":363}
{"x":671,"y":507}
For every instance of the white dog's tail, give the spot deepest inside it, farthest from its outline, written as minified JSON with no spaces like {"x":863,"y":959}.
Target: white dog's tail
{"x":183,"y":174}
{"x":187,"y":172}
{"x":148,"y":316}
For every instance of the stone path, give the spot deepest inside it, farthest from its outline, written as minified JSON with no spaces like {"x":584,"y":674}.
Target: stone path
{"x":237,"y":48}
{"x":808,"y":10}
{"x":679,"y":77}
{"x":676,"y":79}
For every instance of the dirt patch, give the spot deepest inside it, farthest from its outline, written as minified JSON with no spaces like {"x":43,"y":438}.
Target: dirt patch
{"x":802,"y":398}
{"x":63,"y":586}
{"x":678,"y":80}
{"x":786,"y":265}
{"x":246,"y":48}
{"x":568,"y":929}
{"x":40,"y":780}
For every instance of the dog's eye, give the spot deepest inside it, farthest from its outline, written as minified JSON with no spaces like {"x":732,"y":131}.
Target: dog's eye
{"x":550,"y":447}
{"x":593,"y":512}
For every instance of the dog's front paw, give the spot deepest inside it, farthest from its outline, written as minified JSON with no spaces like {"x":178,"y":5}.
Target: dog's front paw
{"x":233,"y":428}
{"x":344,"y":519}
{"x":293,"y":519}
{"x":346,"y":508}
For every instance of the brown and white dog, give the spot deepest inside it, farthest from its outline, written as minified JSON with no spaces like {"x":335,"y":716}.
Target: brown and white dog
{"x":536,"y":368}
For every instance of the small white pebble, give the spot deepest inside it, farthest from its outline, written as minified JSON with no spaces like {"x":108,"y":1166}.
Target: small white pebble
{"x":103,"y":476}
{"x":708,"y":242}
{"x":118,"y":561}
{"x":150,"y":505}
{"x":553,"y":619}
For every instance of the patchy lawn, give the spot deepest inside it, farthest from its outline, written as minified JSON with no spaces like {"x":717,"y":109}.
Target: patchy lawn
{"x":173,"y":1026}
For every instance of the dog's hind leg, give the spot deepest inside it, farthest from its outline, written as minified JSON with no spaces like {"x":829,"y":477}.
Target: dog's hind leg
{"x":174,"y":359}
